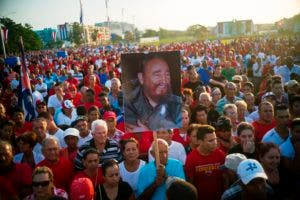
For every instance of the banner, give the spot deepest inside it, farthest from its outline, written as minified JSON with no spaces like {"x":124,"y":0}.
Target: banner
{"x":25,"y":94}
{"x":54,"y":36}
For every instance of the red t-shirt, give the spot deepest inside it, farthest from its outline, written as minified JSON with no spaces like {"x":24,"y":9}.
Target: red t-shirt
{"x":63,"y":172}
{"x":177,"y":137}
{"x":12,"y":182}
{"x":95,"y":180}
{"x":205,"y":173}
{"x":26,"y":127}
{"x":260,"y":129}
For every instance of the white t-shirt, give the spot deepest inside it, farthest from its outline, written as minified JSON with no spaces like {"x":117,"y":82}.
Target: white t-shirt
{"x":176,"y":151}
{"x":40,"y":87}
{"x":63,"y":119}
{"x":59,"y":134}
{"x":54,"y":102}
{"x":131,"y":177}
{"x":82,"y":140}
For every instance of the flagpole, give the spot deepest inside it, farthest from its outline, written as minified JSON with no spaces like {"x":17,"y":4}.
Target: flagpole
{"x":2,"y":40}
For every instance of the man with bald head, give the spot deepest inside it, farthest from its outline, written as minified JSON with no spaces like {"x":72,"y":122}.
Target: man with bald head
{"x":151,"y":105}
{"x":154,"y":186}
{"x":62,"y":168}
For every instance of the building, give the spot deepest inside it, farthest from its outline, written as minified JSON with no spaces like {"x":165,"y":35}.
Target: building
{"x":234,"y":28}
{"x":64,"y":31}
{"x":96,"y":35}
{"x":118,"y":28}
{"x":46,"y":35}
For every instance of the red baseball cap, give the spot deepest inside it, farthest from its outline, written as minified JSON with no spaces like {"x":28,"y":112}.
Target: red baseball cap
{"x":109,"y":114}
{"x":82,"y":189}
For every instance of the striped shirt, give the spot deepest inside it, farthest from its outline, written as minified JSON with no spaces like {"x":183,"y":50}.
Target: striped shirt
{"x":110,"y":151}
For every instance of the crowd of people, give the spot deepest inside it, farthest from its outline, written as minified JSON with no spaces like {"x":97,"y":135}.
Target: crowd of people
{"x":239,"y":139}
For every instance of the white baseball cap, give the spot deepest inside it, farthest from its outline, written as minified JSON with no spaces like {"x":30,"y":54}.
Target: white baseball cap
{"x":250,"y":169}
{"x":233,"y":160}
{"x":71,"y":131}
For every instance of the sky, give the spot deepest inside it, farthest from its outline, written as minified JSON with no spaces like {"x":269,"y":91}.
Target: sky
{"x":147,"y":14}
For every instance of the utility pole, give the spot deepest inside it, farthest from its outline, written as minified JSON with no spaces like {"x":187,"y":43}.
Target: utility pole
{"x":2,"y":40}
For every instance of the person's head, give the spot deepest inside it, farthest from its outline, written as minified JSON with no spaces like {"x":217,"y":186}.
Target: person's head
{"x":130,"y":149}
{"x":295,"y":128}
{"x":230,"y":111}
{"x":207,"y":139}
{"x":292,"y":87}
{"x":223,"y":128}
{"x":188,"y":96}
{"x":73,"y":90}
{"x":233,"y":160}
{"x":266,"y":112}
{"x":248,"y":87}
{"x":282,"y":115}
{"x":42,"y":183}
{"x":82,"y":189}
{"x":67,"y":107}
{"x":216,"y":94}
{"x":18,"y":115}
{"x":163,"y":150}
{"x":230,"y":89}
{"x":241,"y":108}
{"x":6,"y":155}
{"x":103,"y":98}
{"x":192,"y":74}
{"x":27,"y":141}
{"x":90,"y":159}
{"x":89,"y":95}
{"x":218,"y":70}
{"x":7,"y":130}
{"x":205,"y":99}
{"x":270,"y":97}
{"x":93,"y":113}
{"x":294,"y":104}
{"x":99,"y":131}
{"x":111,"y":120}
{"x":192,"y":133}
{"x":185,"y":118}
{"x":41,"y":106}
{"x":181,"y":190}
{"x":155,"y":78}
{"x":115,"y":84}
{"x":111,"y":172}
{"x":253,"y":178}
{"x":91,"y":69}
{"x":50,"y":149}
{"x":2,"y":110}
{"x":277,"y":88}
{"x":39,"y":126}
{"x":245,"y":132}
{"x":71,"y":137}
{"x":92,"y":79}
{"x":166,"y":135}
{"x":249,"y":99}
{"x":81,"y":124}
{"x":269,"y":155}
{"x":199,"y":114}
{"x":237,"y":79}
{"x":58,"y":89}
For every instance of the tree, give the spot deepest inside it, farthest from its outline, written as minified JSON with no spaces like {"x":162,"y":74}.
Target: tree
{"x":115,"y":38}
{"x":94,"y":35}
{"x":197,"y":31}
{"x":150,"y":33}
{"x":30,"y":38}
{"x":129,"y":36}
{"x":77,"y":34}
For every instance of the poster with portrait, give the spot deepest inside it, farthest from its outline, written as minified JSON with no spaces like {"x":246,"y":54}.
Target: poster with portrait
{"x":152,"y":91}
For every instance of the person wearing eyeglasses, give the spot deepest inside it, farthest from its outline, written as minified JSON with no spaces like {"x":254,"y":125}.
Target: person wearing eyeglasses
{"x":43,"y":186}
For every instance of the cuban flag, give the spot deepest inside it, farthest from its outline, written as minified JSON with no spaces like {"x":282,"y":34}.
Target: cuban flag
{"x":4,"y":33}
{"x":25,"y":94}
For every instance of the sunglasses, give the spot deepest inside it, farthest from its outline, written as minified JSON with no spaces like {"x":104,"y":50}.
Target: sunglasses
{"x":41,"y":183}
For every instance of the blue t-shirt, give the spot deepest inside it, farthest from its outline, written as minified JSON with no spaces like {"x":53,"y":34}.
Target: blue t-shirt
{"x":148,"y":173}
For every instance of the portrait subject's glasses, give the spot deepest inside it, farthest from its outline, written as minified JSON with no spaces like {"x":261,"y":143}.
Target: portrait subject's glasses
{"x":40,"y":183}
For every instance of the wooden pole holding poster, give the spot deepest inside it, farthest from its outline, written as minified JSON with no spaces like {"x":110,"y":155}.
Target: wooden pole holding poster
{"x":157,"y":158}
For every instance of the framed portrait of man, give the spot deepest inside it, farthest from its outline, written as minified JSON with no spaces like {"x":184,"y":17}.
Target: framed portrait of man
{"x":152,"y":91}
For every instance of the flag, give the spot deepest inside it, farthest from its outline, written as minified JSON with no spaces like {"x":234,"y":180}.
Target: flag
{"x":81,"y":12}
{"x":4,"y":34}
{"x":54,"y":36}
{"x":25,"y":94}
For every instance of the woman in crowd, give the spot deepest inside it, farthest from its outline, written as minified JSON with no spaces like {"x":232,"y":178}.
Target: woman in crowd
{"x":245,"y":138}
{"x":92,"y":170}
{"x":113,"y":186}
{"x":43,"y":186}
{"x":93,"y":114}
{"x":130,"y":167}
{"x":26,"y":143}
{"x":218,"y":80}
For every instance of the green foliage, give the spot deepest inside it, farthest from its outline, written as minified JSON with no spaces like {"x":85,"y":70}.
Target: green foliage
{"x":30,"y":38}
{"x":76,"y":34}
{"x":197,"y":31}
{"x":150,"y":33}
{"x":94,"y":35}
{"x":116,"y":39}
{"x":129,"y":37}
{"x":54,"y":45}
